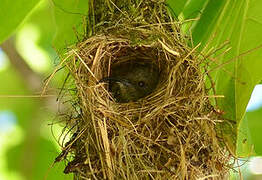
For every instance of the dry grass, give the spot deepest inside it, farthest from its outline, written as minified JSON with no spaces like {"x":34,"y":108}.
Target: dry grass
{"x":170,"y":134}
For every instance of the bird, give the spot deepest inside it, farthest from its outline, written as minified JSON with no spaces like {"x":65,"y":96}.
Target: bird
{"x":131,"y":81}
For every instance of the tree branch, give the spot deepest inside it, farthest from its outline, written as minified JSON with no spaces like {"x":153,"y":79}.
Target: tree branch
{"x":31,"y":78}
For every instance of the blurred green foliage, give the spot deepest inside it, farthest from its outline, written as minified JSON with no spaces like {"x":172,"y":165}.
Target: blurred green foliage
{"x":32,"y":157}
{"x":12,"y":14}
{"x":63,"y":22}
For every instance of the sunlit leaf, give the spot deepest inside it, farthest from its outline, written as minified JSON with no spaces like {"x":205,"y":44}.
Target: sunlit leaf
{"x":193,"y":8}
{"x":191,"y":13}
{"x":206,"y":23}
{"x":255,"y":126}
{"x":70,"y":17}
{"x":176,"y":5}
{"x":238,"y":71}
{"x":12,"y":14}
{"x":245,"y":139}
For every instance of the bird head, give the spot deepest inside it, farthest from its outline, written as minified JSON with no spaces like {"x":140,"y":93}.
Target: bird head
{"x":130,"y":82}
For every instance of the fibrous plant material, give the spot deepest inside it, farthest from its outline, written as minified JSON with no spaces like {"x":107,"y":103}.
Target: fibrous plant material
{"x":169,"y":132}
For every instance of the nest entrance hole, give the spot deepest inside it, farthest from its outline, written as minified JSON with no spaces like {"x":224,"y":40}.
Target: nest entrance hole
{"x":134,"y":73}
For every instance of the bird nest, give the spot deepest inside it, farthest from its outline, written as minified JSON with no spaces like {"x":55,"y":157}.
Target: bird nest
{"x":170,"y":133}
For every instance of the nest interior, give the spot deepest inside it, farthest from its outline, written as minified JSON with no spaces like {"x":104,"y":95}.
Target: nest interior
{"x":170,"y":133}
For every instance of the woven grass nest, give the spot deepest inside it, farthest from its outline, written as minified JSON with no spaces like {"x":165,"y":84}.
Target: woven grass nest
{"x":169,"y":134}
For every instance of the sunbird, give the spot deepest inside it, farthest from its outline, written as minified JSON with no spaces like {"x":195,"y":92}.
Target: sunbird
{"x":131,"y":81}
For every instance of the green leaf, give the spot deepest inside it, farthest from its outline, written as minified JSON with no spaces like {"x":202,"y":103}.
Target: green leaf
{"x":255,"y":125}
{"x":12,"y":14}
{"x":176,"y":5}
{"x":205,"y":25}
{"x":246,"y":138}
{"x":238,"y":71}
{"x":70,"y":17}
{"x":193,"y":8}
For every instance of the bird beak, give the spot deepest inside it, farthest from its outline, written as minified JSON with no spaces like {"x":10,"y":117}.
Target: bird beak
{"x":115,"y":80}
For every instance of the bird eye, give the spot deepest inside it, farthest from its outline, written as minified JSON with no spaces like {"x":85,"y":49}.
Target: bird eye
{"x":141,"y":83}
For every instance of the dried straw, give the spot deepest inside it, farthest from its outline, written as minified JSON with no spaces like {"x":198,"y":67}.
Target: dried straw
{"x":170,"y":134}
